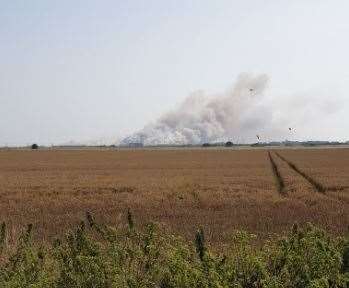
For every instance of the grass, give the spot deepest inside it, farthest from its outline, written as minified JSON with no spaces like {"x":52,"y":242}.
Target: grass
{"x":244,"y":238}
{"x":278,"y":178}
{"x":317,"y":185}
{"x":180,"y":190}
{"x":100,"y":256}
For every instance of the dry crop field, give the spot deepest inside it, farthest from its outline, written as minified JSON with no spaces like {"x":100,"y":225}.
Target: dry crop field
{"x":220,"y":190}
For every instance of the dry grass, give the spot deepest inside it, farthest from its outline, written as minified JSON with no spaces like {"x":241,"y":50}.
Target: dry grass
{"x":328,"y":167}
{"x":220,"y":190}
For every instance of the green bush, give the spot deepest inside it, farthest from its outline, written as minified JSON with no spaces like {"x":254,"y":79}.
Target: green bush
{"x":96,"y":255}
{"x":34,"y":146}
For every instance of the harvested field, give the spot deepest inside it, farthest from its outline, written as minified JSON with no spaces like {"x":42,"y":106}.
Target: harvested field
{"x":220,"y":190}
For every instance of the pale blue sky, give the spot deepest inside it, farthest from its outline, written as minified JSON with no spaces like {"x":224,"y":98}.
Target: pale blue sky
{"x":84,"y":70}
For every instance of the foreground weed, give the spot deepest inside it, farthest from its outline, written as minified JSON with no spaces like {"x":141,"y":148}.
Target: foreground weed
{"x":100,"y":256}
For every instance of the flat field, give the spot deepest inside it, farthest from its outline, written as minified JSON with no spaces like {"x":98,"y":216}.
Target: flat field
{"x":219,"y":190}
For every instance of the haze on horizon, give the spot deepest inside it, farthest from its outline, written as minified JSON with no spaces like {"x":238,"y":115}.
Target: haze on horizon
{"x":89,"y":71}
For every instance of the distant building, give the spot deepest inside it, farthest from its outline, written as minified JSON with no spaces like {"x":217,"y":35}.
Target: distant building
{"x":135,"y":145}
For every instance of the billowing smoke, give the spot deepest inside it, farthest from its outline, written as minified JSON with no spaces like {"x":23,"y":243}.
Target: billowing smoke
{"x":239,"y":115}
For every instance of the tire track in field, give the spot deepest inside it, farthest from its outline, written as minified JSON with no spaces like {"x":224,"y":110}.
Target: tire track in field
{"x":277,"y":175}
{"x":319,"y":187}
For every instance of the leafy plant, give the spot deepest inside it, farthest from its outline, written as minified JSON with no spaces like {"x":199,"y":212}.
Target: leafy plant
{"x":100,"y":256}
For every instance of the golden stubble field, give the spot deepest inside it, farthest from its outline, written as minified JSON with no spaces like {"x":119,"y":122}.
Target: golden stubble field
{"x":219,"y":190}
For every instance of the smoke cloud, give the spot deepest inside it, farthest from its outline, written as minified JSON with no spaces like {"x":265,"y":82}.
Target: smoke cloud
{"x":239,"y":115}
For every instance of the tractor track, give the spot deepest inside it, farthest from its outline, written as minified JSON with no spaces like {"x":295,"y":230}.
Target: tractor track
{"x":277,"y":175}
{"x":318,"y":187}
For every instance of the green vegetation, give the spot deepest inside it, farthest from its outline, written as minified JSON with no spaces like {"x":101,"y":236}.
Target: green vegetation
{"x":35,"y":146}
{"x":95,"y":255}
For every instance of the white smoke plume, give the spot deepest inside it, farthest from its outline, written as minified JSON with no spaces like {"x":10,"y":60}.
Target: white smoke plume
{"x":238,"y":114}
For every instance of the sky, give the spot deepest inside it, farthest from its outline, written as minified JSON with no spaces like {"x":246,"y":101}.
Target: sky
{"x":96,"y":71}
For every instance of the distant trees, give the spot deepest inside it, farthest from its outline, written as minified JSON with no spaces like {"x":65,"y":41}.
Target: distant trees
{"x":218,"y":144}
{"x":35,"y":146}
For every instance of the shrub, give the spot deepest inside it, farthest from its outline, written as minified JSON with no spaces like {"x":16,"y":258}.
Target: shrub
{"x":35,"y":146}
{"x":100,"y":256}
{"x":308,"y":257}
